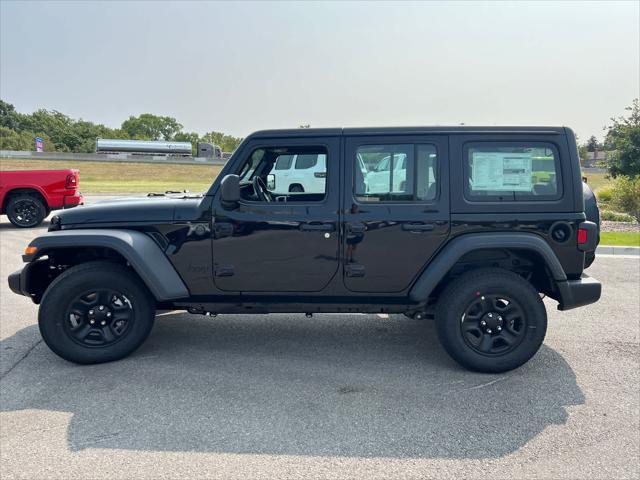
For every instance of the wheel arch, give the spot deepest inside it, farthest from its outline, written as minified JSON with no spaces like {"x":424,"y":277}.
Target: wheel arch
{"x":34,"y":191}
{"x":135,"y":248}
{"x":458,"y":256}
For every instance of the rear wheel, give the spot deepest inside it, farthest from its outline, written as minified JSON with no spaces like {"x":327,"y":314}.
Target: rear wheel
{"x":96,"y":312}
{"x":26,"y":211}
{"x":491,"y":320}
{"x":296,"y":189}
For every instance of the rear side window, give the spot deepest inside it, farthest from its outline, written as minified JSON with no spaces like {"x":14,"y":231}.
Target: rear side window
{"x":512,"y":172}
{"x":306,"y":161}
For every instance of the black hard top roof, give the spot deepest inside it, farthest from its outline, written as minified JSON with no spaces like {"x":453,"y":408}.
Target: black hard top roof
{"x":457,"y":129}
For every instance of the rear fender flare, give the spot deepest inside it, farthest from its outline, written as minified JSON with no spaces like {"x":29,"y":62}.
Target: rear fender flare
{"x":453,"y":251}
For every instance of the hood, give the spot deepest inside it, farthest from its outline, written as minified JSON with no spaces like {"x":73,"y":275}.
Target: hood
{"x":133,"y":209}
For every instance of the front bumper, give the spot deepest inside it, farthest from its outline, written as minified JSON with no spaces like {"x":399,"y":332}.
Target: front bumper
{"x":577,"y":293}
{"x":72,"y":200}
{"x":32,"y":280}
{"x":17,"y":283}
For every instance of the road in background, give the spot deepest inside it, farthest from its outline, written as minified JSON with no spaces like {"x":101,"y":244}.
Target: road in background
{"x":110,"y":158}
{"x":336,"y":396}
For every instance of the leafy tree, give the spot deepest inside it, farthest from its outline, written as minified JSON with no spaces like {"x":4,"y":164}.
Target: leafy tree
{"x":65,"y":134}
{"x":623,"y":138}
{"x":583,"y":153}
{"x":12,"y":140}
{"x":592,"y":144}
{"x":227,"y":143}
{"x":9,"y":117}
{"x":151,"y":127}
{"x":192,"y":137}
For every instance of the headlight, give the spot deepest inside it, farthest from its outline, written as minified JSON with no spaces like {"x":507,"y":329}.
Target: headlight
{"x":56,"y":223}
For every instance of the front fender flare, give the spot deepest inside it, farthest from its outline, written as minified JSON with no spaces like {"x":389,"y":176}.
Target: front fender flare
{"x":454,"y":250}
{"x":142,"y":253}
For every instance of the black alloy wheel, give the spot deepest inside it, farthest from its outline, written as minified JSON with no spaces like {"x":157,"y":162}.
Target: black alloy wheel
{"x":25,"y":211}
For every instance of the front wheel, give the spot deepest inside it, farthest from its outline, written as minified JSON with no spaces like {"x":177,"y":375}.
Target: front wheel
{"x":491,"y":320}
{"x":96,"y":312}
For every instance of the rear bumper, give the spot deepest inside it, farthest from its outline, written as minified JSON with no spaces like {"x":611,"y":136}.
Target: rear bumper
{"x":69,"y":201}
{"x":577,"y":293}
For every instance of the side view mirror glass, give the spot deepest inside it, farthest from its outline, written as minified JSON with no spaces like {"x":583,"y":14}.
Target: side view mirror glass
{"x":230,"y":191}
{"x":271,"y":181}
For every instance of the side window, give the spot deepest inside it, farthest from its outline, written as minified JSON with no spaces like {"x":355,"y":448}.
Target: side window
{"x":273,"y":166}
{"x":306,"y":161}
{"x":426,"y":173}
{"x":507,"y":171}
{"x":283,"y":162}
{"x":395,"y":173}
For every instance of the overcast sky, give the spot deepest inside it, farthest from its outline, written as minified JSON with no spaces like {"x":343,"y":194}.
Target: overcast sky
{"x":240,"y":67}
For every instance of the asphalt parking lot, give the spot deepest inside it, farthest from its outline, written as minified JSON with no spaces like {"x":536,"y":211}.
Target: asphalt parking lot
{"x":336,"y":396}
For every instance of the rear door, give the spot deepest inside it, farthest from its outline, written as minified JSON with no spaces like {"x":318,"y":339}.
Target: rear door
{"x":392,"y":231}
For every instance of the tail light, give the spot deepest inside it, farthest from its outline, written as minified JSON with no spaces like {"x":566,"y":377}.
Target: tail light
{"x":320,"y":174}
{"x":587,"y":236}
{"x":72,"y":181}
{"x":582,"y":236}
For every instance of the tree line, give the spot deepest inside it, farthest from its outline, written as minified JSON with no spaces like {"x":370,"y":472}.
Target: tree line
{"x":61,"y":133}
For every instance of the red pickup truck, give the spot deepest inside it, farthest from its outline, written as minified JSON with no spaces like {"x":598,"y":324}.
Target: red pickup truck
{"x":27,"y":197}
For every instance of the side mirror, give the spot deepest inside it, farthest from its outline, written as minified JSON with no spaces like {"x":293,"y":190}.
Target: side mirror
{"x":271,"y":182}
{"x":230,"y":191}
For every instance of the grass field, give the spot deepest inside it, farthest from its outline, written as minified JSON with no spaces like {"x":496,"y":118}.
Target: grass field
{"x":597,"y":180}
{"x":99,"y":177}
{"x":628,"y":239}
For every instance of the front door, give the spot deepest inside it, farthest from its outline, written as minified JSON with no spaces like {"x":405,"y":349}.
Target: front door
{"x":278,"y":242}
{"x":396,"y":209}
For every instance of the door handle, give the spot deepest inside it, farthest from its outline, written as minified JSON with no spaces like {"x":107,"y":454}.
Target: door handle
{"x":357,"y":227}
{"x":317,"y":227}
{"x":222,"y":229}
{"x":418,"y":227}
{"x":354,"y":270}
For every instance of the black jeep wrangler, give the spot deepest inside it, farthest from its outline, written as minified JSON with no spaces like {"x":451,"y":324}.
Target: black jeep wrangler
{"x":471,"y":226}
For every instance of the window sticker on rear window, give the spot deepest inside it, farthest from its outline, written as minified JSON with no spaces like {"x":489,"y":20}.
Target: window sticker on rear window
{"x":501,"y":171}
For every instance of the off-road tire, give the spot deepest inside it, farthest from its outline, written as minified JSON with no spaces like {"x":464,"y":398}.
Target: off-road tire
{"x":53,"y":316}
{"x":465,"y":291}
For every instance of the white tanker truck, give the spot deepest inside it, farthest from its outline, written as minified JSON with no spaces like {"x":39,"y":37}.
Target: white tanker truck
{"x":155,"y":148}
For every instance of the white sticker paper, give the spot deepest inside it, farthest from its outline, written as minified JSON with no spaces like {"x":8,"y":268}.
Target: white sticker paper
{"x":499,"y":171}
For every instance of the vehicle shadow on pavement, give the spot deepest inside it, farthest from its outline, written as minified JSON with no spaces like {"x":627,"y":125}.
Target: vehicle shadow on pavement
{"x":334,"y":385}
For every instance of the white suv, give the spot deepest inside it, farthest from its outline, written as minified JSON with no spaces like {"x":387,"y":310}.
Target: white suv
{"x":299,"y":174}
{"x":377,"y":180}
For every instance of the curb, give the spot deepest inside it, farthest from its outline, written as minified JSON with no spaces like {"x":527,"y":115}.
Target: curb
{"x":609,"y":250}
